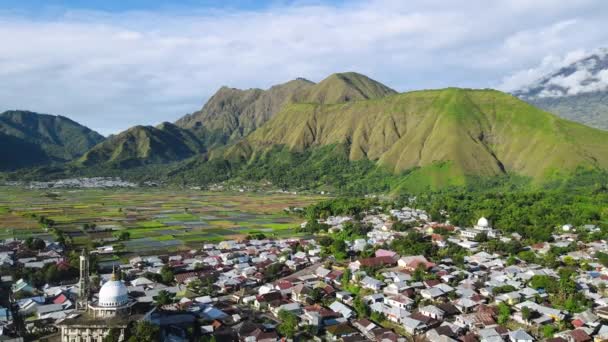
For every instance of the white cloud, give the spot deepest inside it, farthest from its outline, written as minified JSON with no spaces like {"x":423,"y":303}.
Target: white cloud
{"x":111,"y":71}
{"x":550,"y":63}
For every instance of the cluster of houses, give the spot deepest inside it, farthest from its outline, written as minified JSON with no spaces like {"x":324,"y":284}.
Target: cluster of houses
{"x":382,"y":297}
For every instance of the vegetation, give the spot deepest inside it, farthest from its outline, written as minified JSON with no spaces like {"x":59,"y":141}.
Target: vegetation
{"x":231,"y":114}
{"x":533,"y":214}
{"x":141,"y":145}
{"x":384,"y":142}
{"x":144,"y":331}
{"x":29,"y":139}
{"x":407,"y":133}
{"x":289,"y":323}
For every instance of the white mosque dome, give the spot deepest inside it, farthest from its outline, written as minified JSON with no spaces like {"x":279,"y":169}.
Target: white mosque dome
{"x":483,"y":223}
{"x":113,"y":294}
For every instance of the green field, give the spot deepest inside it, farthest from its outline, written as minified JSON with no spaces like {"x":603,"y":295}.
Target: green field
{"x":156,"y":219}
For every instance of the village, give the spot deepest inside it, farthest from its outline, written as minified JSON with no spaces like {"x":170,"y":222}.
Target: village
{"x":479,"y":284}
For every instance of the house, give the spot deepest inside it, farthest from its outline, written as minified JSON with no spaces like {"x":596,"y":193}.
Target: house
{"x":413,"y":326}
{"x":318,"y":316}
{"x":344,"y":297}
{"x":289,"y":307}
{"x":413,"y":262}
{"x":371,"y":283}
{"x":258,"y":335}
{"x":578,"y":335}
{"x":365,"y":327}
{"x":22,"y":286}
{"x":266,"y":298}
{"x":431,"y":293}
{"x":432,"y":312}
{"x":373,"y":262}
{"x":338,"y":331}
{"x":300,"y":293}
{"x":520,"y":335}
{"x":510,"y":298}
{"x":385,"y":253}
{"x":399,"y":301}
{"x":342,"y":309}
{"x":465,"y":305}
{"x":396,"y":287}
{"x":392,"y":313}
{"x":490,"y":335}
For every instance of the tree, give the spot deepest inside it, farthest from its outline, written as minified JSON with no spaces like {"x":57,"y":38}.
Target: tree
{"x":289,"y":323}
{"x":569,"y":261}
{"x":419,"y":273}
{"x":51,"y":275}
{"x":503,"y":289}
{"x":504,"y":313}
{"x":548,"y":331}
{"x":166,"y":275}
{"x":164,"y":298}
{"x":346,"y":276}
{"x":144,"y":331}
{"x":361,"y":308}
{"x":378,"y":316}
{"x":112,"y":335}
{"x":123,"y":235}
{"x":339,"y":249}
{"x":526,"y":313}
{"x":316,"y":294}
{"x":35,"y":243}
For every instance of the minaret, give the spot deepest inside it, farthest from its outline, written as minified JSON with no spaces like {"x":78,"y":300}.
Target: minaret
{"x":83,"y":283}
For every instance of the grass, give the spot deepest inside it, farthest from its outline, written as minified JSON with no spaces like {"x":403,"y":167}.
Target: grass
{"x":183,"y":217}
{"x":151,"y":224}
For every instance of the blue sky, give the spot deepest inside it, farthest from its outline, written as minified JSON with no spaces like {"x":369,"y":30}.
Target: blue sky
{"x":50,"y":7}
{"x":113,"y":64}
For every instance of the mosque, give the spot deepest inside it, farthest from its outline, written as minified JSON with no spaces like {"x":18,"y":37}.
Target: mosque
{"x":482,"y":226}
{"x":98,"y":315}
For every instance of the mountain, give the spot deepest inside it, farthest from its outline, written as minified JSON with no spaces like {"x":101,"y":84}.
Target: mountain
{"x":142,"y":145}
{"x":231,"y":113}
{"x":577,"y":92}
{"x":30,"y":139}
{"x":436,"y":137}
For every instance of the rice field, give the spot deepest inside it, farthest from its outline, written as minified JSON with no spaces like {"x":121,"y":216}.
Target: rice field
{"x":156,"y":219}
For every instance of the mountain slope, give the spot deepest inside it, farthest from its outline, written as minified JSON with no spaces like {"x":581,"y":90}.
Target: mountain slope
{"x":18,"y":153}
{"x":42,"y":138}
{"x":142,"y":145}
{"x":577,"y":92}
{"x":443,"y":135}
{"x":231,"y":113}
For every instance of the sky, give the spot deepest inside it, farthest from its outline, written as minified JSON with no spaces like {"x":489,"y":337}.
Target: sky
{"x":112,"y":64}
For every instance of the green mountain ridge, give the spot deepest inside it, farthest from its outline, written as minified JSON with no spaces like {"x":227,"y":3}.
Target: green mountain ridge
{"x":350,"y":132}
{"x":30,"y":139}
{"x":142,"y":145}
{"x":232,"y":114}
{"x":443,"y":136}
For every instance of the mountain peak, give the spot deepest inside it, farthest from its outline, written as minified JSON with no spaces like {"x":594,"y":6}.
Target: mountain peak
{"x":578,"y":91}
{"x":48,"y":137}
{"x":586,"y":75}
{"x":231,"y":114}
{"x":345,"y":87}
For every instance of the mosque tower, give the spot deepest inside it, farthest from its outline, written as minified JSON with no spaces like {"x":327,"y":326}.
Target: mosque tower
{"x":83,"y":283}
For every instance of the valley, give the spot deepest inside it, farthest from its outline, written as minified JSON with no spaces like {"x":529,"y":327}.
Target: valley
{"x":123,"y":222}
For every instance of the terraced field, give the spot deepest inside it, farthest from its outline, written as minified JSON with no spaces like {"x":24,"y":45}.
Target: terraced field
{"x":156,"y":219}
